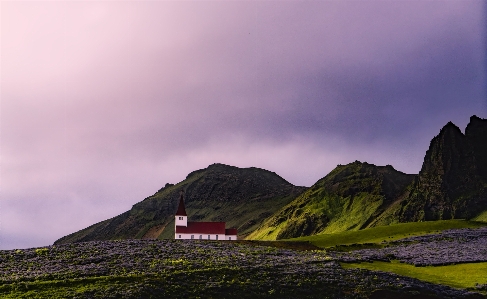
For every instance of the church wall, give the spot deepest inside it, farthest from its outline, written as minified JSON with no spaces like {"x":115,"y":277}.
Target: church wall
{"x":203,"y":237}
{"x":181,"y":220}
{"x":231,"y":237}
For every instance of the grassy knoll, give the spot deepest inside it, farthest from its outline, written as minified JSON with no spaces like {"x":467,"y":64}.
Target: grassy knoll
{"x":387,"y":233}
{"x":457,"y":276}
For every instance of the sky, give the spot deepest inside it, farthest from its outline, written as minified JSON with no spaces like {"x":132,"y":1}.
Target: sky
{"x":104,"y":102}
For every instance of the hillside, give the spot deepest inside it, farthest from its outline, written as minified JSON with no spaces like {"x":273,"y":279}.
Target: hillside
{"x":348,"y":198}
{"x":452,"y":184}
{"x":243,"y":197}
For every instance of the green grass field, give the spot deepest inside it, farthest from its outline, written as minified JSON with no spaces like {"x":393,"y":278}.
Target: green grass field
{"x":457,"y":276}
{"x":387,"y":233}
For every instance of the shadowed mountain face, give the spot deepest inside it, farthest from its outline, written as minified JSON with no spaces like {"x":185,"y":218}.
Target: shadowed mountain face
{"x":476,"y":133}
{"x":453,"y":180}
{"x":243,"y":197}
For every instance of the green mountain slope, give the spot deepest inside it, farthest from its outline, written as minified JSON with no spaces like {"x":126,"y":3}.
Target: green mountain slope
{"x":348,"y":198}
{"x":243,"y":197}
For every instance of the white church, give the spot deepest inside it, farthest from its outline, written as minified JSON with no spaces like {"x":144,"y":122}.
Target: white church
{"x":185,"y":230}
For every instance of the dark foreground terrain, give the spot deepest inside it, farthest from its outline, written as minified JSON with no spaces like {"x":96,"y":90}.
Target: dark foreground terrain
{"x":192,"y":269}
{"x":449,"y":247}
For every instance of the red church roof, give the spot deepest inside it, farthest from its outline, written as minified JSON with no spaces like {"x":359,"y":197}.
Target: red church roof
{"x":209,"y":228}
{"x":231,"y":231}
{"x":181,"y":209}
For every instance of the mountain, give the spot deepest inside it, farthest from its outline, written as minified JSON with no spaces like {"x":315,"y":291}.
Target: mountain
{"x":243,"y":197}
{"x":350,"y":197}
{"x":452,"y":184}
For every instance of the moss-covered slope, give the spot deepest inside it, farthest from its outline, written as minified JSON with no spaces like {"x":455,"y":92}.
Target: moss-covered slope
{"x":350,"y":197}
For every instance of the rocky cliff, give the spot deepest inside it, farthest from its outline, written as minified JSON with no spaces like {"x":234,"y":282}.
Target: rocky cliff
{"x":452,"y":182}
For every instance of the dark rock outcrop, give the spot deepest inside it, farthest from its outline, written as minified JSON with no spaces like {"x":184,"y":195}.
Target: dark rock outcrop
{"x":452,"y":180}
{"x":476,"y":133}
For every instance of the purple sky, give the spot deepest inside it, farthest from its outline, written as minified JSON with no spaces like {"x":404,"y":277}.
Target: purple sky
{"x":102,"y":103}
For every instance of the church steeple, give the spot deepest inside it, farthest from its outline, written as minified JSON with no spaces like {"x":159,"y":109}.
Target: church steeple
{"x":181,"y":218}
{"x":181,"y":209}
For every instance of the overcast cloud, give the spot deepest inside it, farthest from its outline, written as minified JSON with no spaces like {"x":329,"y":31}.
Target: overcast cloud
{"x":103,"y":102}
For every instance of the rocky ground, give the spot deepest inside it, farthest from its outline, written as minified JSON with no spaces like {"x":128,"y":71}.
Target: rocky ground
{"x":206,"y":269}
{"x":445,"y":248}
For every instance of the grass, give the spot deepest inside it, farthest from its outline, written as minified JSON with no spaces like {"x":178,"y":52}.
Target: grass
{"x":457,"y":276}
{"x":62,"y":288}
{"x":280,"y":244}
{"x":347,"y":213}
{"x":212,"y":282}
{"x":343,"y":212}
{"x":171,"y":269}
{"x":387,"y":233}
{"x":268,"y":233}
{"x":481,"y":217}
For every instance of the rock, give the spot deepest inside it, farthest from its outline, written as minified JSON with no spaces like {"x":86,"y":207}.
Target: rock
{"x":452,"y":181}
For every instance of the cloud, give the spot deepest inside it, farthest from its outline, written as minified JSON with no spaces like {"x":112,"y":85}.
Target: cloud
{"x":102,"y":103}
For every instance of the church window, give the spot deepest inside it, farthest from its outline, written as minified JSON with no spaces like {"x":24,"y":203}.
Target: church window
{"x":208,"y":237}
{"x":179,"y":236}
{"x":201,"y":237}
{"x":192,"y":236}
{"x":216,"y":237}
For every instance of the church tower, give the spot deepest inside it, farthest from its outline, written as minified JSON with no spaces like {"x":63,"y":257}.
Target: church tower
{"x":181,"y":218}
{"x":184,"y":230}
